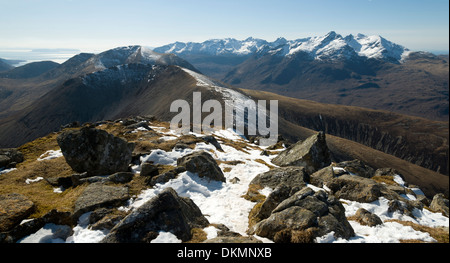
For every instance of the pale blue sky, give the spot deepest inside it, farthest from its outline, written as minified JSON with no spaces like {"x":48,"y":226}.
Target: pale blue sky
{"x":96,"y":25}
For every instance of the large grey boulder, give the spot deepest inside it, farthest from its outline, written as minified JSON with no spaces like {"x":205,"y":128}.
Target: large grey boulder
{"x":313,"y":154}
{"x":98,"y":195}
{"x":292,"y":176}
{"x":440,"y":204}
{"x":9,"y":157}
{"x":166,"y":212}
{"x":367,"y":218}
{"x":306,"y":213}
{"x":13,"y":209}
{"x":203,"y":164}
{"x":95,"y":151}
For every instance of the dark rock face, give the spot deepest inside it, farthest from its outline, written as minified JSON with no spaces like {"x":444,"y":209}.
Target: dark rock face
{"x":303,"y":217}
{"x":13,"y":209}
{"x":203,"y":164}
{"x":95,"y":151}
{"x":313,"y":154}
{"x":367,"y":218}
{"x":166,"y":212}
{"x":440,"y":204}
{"x":98,"y":195}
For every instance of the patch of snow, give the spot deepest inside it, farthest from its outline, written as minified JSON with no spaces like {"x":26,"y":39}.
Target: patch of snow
{"x":5,"y":171}
{"x":166,"y":237}
{"x":211,"y":232}
{"x":399,"y":180}
{"x":49,"y":155}
{"x":82,"y":234}
{"x":29,"y":181}
{"x":49,"y":233}
{"x":220,"y":202}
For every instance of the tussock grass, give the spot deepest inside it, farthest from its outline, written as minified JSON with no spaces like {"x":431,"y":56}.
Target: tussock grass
{"x":387,"y":179}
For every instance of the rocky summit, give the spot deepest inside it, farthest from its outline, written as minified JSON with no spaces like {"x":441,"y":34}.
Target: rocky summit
{"x":136,"y":181}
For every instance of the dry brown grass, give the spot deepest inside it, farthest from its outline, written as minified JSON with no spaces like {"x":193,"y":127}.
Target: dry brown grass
{"x":384,"y":179}
{"x":253,"y":194}
{"x":261,"y":161}
{"x":198,"y":235}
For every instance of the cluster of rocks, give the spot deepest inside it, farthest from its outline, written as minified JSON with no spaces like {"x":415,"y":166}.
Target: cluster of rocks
{"x":294,"y":212}
{"x":103,"y":161}
{"x":9,"y":158}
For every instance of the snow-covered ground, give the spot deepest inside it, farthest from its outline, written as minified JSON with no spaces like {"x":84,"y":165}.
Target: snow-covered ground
{"x":222,"y":203}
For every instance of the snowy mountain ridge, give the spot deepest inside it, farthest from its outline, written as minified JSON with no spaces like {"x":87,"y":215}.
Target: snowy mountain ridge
{"x":329,"y":46}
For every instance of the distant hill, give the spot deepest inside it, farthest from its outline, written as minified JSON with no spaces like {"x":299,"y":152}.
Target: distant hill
{"x":4,"y":65}
{"x":29,"y":70}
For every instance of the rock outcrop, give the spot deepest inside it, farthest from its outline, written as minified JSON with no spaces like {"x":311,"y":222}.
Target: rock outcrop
{"x":13,"y":209}
{"x":95,"y":151}
{"x":440,"y":204}
{"x":98,"y":195}
{"x":304,"y":216}
{"x":166,"y":212}
{"x":9,"y":157}
{"x":313,"y":154}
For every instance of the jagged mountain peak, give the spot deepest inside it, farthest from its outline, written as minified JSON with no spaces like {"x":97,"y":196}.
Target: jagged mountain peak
{"x":329,"y":46}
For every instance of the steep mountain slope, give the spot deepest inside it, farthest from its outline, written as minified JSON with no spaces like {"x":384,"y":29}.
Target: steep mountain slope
{"x":29,"y":70}
{"x":111,"y":93}
{"x":412,"y":88}
{"x":416,"y":140}
{"x":4,"y":66}
{"x":20,"y":93}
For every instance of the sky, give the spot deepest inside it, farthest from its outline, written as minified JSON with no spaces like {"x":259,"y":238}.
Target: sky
{"x":98,"y":25}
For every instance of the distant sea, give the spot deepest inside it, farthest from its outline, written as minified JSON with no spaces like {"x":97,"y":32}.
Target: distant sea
{"x":19,"y":57}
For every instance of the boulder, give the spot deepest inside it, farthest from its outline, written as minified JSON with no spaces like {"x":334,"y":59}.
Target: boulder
{"x":166,"y":212}
{"x":440,"y":204}
{"x":304,"y":216}
{"x":270,"y":203}
{"x":64,"y":181}
{"x":98,"y":195}
{"x":203,"y":164}
{"x":360,"y":189}
{"x":9,"y":157}
{"x":13,"y":209}
{"x":117,"y":178}
{"x":323,"y":176}
{"x":355,"y":188}
{"x":292,"y":176}
{"x":313,"y":154}
{"x":366,"y":218}
{"x":95,"y":151}
{"x":357,"y":167}
{"x":149,"y":169}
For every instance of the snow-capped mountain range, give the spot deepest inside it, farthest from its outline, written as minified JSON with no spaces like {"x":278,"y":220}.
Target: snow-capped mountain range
{"x":329,"y":46}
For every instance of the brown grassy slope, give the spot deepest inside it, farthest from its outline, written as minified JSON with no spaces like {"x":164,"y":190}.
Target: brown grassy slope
{"x":417,"y":140}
